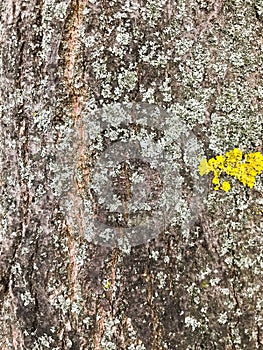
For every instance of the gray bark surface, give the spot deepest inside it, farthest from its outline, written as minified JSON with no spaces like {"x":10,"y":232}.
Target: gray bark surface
{"x":202,"y":61}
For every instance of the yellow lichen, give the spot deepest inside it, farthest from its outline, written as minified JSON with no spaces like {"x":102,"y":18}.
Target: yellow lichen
{"x":233,"y":164}
{"x":107,"y":285}
{"x":225,"y":186}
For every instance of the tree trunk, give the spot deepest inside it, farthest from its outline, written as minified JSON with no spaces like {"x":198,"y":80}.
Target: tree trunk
{"x":191,"y":278}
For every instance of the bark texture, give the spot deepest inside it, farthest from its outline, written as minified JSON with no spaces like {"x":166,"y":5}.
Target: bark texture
{"x":202,"y":61}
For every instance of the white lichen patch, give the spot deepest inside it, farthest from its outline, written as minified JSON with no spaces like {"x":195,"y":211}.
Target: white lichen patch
{"x":192,"y":322}
{"x":161,"y":278}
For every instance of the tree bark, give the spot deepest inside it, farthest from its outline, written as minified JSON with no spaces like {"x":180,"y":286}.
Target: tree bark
{"x":199,"y":60}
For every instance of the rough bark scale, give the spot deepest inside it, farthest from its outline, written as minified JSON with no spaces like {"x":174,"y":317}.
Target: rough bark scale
{"x":202,"y":60}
